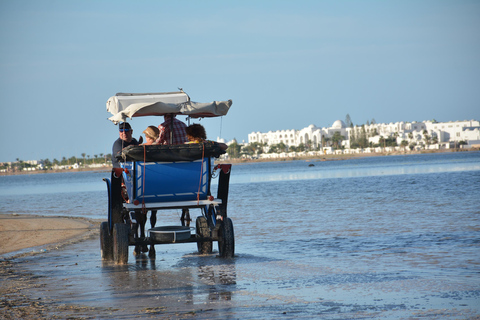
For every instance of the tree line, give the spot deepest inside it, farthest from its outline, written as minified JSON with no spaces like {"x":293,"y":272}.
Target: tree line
{"x":47,"y":164}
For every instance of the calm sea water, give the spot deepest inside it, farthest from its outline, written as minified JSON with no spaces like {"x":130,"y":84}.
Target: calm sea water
{"x":386,"y":233}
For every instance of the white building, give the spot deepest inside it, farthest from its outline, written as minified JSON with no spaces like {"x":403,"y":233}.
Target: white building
{"x":445,"y":134}
{"x":311,"y":135}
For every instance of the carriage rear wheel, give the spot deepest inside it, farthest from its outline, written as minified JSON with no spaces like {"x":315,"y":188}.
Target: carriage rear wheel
{"x":226,"y":239}
{"x":120,"y":243}
{"x":203,"y":231}
{"x":106,"y":242}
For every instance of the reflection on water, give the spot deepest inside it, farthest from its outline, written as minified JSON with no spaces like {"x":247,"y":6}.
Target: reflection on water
{"x":363,"y":167}
{"x":194,"y":279}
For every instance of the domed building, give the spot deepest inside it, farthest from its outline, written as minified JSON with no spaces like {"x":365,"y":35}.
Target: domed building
{"x":339,"y":124}
{"x":446,"y":134}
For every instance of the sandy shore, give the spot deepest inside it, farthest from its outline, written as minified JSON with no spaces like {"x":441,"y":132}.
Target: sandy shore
{"x":24,"y":235}
{"x":22,"y":232}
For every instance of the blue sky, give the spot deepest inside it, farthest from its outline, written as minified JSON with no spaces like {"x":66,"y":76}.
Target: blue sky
{"x":285,"y":65}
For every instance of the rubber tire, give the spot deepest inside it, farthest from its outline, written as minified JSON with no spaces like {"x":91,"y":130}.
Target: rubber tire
{"x":116,"y":202}
{"x":202,"y":230}
{"x":120,"y":243}
{"x":226,"y":239}
{"x":106,"y":242}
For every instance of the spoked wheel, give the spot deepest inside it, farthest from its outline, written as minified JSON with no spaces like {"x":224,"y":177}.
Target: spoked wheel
{"x":120,"y":243}
{"x":226,"y":239}
{"x":106,"y":242}
{"x":204,"y":247}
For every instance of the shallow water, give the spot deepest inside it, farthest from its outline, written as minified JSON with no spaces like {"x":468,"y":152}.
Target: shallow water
{"x":382,"y":237}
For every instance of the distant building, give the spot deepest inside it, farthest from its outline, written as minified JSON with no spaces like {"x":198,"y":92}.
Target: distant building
{"x":444,"y":134}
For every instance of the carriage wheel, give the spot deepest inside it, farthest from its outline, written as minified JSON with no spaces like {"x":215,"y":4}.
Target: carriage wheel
{"x":226,"y":239}
{"x":115,"y":212}
{"x":120,"y":243}
{"x":204,"y":247}
{"x":106,"y":242}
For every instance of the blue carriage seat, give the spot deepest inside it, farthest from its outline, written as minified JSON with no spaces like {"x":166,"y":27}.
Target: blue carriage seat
{"x":168,"y":173}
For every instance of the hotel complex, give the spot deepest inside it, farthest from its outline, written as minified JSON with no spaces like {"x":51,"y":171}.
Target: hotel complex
{"x":313,"y":141}
{"x":414,"y":135}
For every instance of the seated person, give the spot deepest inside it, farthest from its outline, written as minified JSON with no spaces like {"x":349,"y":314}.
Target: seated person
{"x":196,"y":134}
{"x":172,"y":131}
{"x":151,"y":135}
{"x":125,"y":140}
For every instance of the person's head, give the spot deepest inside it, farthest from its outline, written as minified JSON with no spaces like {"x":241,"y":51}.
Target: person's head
{"x":168,"y":116}
{"x":125,"y":131}
{"x":196,"y":132}
{"x":151,"y":134}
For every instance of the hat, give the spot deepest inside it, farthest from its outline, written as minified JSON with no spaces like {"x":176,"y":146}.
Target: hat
{"x":152,"y":132}
{"x":124,"y":125}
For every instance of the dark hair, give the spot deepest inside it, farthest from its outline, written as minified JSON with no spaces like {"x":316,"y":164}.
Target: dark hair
{"x":197,"y":131}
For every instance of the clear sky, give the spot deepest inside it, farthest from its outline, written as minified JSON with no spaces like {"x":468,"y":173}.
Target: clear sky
{"x":285,"y":65}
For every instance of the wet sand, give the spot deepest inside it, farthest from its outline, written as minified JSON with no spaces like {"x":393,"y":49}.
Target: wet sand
{"x":39,"y":279}
{"x":28,"y":236}
{"x":22,"y":232}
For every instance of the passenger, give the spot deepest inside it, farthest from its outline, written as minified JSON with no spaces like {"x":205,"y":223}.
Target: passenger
{"x":125,"y":140}
{"x":196,"y":134}
{"x":172,"y":131}
{"x":151,"y":135}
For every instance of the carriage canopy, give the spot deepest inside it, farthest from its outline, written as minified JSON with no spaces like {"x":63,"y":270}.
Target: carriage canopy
{"x":128,"y":105}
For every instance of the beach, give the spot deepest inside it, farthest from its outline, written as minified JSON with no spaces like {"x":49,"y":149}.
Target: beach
{"x":30,"y":235}
{"x":21,"y":232}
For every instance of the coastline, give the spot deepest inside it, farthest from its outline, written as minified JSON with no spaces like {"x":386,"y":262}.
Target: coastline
{"x":27,"y":236}
{"x":30,"y":234}
{"x":338,"y":157}
{"x":316,"y":158}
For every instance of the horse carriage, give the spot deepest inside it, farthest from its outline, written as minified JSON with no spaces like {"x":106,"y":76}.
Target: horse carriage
{"x":163,"y":177}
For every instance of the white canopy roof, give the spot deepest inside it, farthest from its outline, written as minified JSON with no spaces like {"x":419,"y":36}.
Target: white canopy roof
{"x":128,"y":105}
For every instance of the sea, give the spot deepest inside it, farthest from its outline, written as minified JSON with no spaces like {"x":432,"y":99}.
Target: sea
{"x":383,"y":236}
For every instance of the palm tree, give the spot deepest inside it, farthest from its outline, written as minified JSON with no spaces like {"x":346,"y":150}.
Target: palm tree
{"x":404,"y":144}
{"x":337,"y":139}
{"x":362,"y":140}
{"x":328,"y":141}
{"x":83,"y":155}
{"x":249,"y":149}
{"x":273,"y":148}
{"x":426,"y":137}
{"x":309,"y":145}
{"x":234,"y":149}
{"x":46,"y":163}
